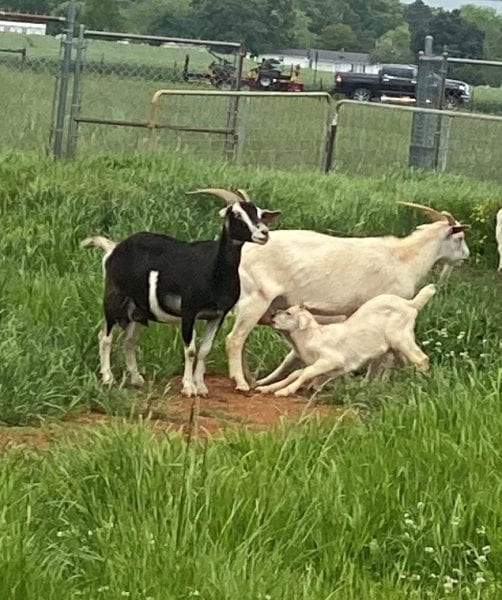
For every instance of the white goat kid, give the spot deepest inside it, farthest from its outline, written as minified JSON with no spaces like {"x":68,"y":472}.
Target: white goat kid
{"x":306,"y":267}
{"x":384,"y":323}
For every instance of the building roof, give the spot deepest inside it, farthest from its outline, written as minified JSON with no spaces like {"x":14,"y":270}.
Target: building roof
{"x":325,"y":55}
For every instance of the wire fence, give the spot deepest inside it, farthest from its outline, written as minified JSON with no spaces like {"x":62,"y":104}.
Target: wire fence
{"x":373,"y":139}
{"x":114,"y":80}
{"x":27,"y":85}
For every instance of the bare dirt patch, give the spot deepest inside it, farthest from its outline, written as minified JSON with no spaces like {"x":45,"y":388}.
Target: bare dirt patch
{"x":224,"y":409}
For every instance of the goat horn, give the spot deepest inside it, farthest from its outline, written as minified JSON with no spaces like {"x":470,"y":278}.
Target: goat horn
{"x":228,"y":196}
{"x":244,"y":195}
{"x":450,"y":218}
{"x":432,"y":213}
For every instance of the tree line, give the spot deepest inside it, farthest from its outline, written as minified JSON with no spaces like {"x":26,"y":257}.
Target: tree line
{"x":386,"y":29}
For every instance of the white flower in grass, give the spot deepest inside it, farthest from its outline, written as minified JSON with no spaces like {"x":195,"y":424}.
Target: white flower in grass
{"x":429,"y":550}
{"x":479,"y":578}
{"x":481,"y":530}
{"x":125,"y":594}
{"x":415,"y":577}
{"x":421,"y":505}
{"x":455,"y":521}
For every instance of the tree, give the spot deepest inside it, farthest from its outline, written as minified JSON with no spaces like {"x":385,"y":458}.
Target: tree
{"x":463,"y":39}
{"x":261,"y":24}
{"x":368,"y":19}
{"x":418,"y":16}
{"x":488,"y":21}
{"x":394,"y":46}
{"x":172,"y":18}
{"x":338,"y":37}
{"x":302,"y":33}
{"x":40,"y":7}
{"x":101,"y":15}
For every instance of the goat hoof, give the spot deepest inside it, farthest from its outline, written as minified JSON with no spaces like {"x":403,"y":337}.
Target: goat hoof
{"x":283,"y":393}
{"x":189,"y":390}
{"x":107,"y":380}
{"x":242,"y":387}
{"x":137,"y":381}
{"x":202,"y":390}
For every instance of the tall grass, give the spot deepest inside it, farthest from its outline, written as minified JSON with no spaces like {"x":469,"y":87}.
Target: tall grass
{"x":50,"y":290}
{"x":404,"y":504}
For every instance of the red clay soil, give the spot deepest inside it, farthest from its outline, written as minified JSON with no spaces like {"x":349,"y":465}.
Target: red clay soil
{"x":223,"y":410}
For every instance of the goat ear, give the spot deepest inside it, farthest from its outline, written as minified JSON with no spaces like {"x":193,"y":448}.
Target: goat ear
{"x":459,"y":229}
{"x":303,"y":321}
{"x":223,"y":211}
{"x":267,"y":216}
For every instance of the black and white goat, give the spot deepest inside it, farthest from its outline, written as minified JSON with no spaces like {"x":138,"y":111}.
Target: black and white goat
{"x":154,"y":277}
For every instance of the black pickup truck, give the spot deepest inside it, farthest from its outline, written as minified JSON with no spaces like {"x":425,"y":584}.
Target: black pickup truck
{"x":395,"y":82}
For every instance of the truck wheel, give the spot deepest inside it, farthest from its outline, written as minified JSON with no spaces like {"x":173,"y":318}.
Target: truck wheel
{"x":451,"y":102}
{"x":361,"y":95}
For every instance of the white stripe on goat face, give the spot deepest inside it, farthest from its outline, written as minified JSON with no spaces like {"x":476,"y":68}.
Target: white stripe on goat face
{"x":258,"y":231}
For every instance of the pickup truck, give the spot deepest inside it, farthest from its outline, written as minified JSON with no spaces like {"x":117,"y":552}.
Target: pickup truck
{"x":395,"y":83}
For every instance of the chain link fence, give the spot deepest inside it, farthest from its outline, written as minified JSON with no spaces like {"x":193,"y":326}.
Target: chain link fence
{"x":29,"y":65}
{"x":111,"y":83}
{"x":373,"y":139}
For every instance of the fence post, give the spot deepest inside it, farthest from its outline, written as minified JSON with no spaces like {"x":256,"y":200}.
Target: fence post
{"x":60,"y":110}
{"x":232,"y":139}
{"x":330,"y":144}
{"x":76,"y":101}
{"x":426,"y":128}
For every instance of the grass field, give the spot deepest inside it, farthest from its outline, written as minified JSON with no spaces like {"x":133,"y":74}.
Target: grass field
{"x":401,"y":502}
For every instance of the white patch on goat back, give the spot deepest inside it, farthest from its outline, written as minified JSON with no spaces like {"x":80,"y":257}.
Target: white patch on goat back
{"x":105,"y":259}
{"x":153,"y":302}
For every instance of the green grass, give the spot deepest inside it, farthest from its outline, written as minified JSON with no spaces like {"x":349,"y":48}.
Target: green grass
{"x":399,"y":506}
{"x":402,"y":503}
{"x":51,"y":290}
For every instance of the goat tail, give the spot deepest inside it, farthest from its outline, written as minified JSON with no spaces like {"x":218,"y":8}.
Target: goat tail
{"x":423,"y":296}
{"x":98,"y":241}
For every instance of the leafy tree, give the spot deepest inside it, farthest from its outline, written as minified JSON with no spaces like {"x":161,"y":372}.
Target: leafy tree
{"x":41,"y":7}
{"x":337,"y":37}
{"x":394,"y":46}
{"x":462,"y":38}
{"x":173,"y":18}
{"x":260,"y":24}
{"x":488,"y":21}
{"x":418,"y":16}
{"x":303,"y":37}
{"x":101,"y":15}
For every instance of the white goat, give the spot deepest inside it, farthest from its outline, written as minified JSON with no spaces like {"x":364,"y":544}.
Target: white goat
{"x":384,"y":323}
{"x":498,"y":237}
{"x":305,"y":267}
